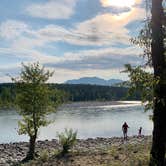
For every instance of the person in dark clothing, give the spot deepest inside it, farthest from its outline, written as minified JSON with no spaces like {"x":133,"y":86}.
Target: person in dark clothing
{"x":140,"y":132}
{"x":125,"y":129}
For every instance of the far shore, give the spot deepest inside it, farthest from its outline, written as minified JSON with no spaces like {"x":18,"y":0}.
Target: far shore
{"x":101,"y":103}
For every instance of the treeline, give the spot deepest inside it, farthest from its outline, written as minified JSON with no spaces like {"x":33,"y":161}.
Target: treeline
{"x":69,"y":92}
{"x":82,"y":92}
{"x":8,"y":95}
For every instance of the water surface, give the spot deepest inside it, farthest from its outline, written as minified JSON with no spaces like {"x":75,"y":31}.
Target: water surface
{"x":91,"y":120}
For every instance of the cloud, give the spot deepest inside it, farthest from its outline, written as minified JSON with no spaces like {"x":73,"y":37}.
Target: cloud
{"x":53,"y":9}
{"x":8,"y":71}
{"x":86,"y":33}
{"x":106,"y":32}
{"x":108,"y":58}
{"x":31,"y":55}
{"x":120,"y":3}
{"x":62,"y":75}
{"x":103,"y":29}
{"x":11,"y":29}
{"x":23,"y":42}
{"x":4,"y":79}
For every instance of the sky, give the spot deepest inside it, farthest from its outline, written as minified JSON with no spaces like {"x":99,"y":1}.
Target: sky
{"x":73,"y":38}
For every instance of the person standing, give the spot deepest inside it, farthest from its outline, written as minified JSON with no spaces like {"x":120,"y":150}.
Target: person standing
{"x":140,"y":132}
{"x":125,"y":130}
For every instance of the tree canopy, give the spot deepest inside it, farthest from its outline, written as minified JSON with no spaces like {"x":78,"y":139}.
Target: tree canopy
{"x":34,"y":100}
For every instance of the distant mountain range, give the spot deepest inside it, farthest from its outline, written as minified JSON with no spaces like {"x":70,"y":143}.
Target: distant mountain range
{"x":94,"y":81}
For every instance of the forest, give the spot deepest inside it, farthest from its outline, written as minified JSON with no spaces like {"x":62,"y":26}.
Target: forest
{"x":69,"y":92}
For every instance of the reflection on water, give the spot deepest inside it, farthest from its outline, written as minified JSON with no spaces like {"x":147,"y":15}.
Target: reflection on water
{"x":89,"y":121}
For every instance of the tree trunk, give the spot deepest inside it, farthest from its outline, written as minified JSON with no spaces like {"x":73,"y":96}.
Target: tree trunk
{"x":159,"y":65}
{"x":31,"y":152}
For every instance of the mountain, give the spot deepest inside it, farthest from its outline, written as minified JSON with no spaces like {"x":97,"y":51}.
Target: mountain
{"x":94,"y":81}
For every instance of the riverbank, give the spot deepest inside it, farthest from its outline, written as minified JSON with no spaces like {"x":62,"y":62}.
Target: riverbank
{"x":90,"y":152}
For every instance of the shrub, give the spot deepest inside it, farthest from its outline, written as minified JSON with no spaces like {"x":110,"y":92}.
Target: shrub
{"x":44,"y":156}
{"x":67,"y":139}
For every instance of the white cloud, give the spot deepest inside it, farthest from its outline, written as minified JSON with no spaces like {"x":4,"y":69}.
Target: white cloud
{"x":108,"y":28}
{"x":62,"y":75}
{"x":11,"y":29}
{"x":95,"y":60}
{"x":104,"y":58}
{"x":53,"y":9}
{"x":5,"y":79}
{"x":104,"y":29}
{"x":111,"y":52}
{"x":120,"y":3}
{"x":31,"y":55}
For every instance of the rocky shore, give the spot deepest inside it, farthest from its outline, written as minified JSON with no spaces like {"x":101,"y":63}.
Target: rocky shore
{"x":15,"y":152}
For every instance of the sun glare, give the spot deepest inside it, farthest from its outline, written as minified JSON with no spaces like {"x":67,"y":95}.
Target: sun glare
{"x":121,"y":3}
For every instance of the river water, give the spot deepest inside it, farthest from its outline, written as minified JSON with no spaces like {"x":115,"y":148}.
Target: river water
{"x":90,"y":119}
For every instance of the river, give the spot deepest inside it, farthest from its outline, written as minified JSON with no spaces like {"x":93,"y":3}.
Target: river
{"x":90,"y":119}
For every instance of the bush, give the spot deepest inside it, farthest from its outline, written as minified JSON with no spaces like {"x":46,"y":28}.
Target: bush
{"x":44,"y":156}
{"x":67,"y":139}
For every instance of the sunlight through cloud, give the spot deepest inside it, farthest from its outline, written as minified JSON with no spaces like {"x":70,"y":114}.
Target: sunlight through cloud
{"x":119,"y":3}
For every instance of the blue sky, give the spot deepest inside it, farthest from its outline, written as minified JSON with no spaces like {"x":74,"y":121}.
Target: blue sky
{"x":74,"y":38}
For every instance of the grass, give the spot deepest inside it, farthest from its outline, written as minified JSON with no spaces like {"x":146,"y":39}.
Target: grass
{"x":130,"y":155}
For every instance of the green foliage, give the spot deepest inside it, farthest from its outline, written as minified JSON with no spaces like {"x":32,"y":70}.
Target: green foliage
{"x":33,"y":98}
{"x":7,"y":96}
{"x":139,"y":79}
{"x":66,"y":92}
{"x":34,"y":101}
{"x":142,"y":81}
{"x":96,"y":92}
{"x":144,"y":40}
{"x":44,"y":156}
{"x":67,"y":139}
